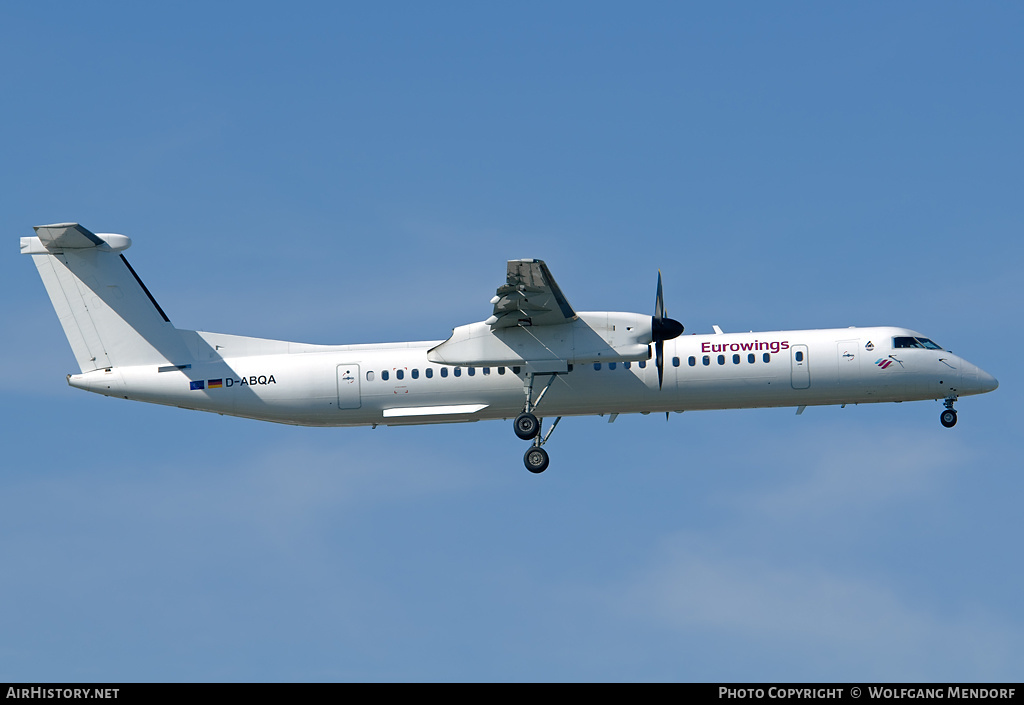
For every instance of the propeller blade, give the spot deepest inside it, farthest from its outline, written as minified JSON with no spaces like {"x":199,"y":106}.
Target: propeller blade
{"x":659,"y":303}
{"x":662,"y":328}
{"x":659,"y":360}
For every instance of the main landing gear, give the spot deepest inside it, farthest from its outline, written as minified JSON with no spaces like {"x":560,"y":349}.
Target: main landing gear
{"x":536,"y":460}
{"x":948,"y":417}
{"x":528,"y":427}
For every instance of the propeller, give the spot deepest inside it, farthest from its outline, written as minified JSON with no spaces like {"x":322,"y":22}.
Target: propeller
{"x":662,"y":328}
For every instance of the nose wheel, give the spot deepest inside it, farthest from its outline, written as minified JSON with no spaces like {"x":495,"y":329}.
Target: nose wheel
{"x":948,"y":416}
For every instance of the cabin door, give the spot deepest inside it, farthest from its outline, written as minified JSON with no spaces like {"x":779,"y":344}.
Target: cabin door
{"x":801,"y":372}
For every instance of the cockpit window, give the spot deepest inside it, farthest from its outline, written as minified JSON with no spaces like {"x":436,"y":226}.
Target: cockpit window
{"x":906,"y":341}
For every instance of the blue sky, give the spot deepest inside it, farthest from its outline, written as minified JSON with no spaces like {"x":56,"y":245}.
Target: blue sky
{"x":338,"y":173}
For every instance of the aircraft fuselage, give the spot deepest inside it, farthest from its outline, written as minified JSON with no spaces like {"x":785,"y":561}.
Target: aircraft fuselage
{"x":395,"y":384}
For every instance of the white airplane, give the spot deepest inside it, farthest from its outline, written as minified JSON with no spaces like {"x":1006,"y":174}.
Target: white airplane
{"x":534,"y":357}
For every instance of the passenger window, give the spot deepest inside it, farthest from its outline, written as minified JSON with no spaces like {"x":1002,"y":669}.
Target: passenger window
{"x":692,"y":361}
{"x":444,"y":371}
{"x":721,"y":359}
{"x":471,"y":371}
{"x":501,"y":370}
{"x":735,"y":359}
{"x":458,"y":371}
{"x":706,"y":360}
{"x":626,"y":365}
{"x":515,"y":370}
{"x":675,"y":362}
{"x":384,"y":375}
{"x":430,"y":372}
{"x":750,"y":358}
{"x":369,"y":376}
{"x":487,"y":370}
{"x":611,"y":365}
{"x":643,"y":364}
{"x":399,"y":374}
{"x":767,"y":357}
{"x":597,"y":365}
{"x":799,"y":356}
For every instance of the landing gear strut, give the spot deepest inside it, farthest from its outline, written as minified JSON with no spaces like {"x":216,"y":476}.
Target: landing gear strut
{"x":528,"y":427}
{"x":948,"y":417}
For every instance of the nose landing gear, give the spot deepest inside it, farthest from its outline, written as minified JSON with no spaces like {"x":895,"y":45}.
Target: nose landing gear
{"x":948,"y":416}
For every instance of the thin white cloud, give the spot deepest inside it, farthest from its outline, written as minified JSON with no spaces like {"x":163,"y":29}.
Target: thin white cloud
{"x":826,"y":623}
{"x":840,"y":470}
{"x":765,"y":580}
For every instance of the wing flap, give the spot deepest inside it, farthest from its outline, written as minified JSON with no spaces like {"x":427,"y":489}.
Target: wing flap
{"x":530,"y":297}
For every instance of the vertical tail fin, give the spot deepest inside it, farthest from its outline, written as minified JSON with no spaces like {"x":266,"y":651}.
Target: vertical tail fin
{"x":108,"y":314}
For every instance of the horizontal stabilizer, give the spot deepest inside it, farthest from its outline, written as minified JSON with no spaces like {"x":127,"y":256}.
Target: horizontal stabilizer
{"x":71,"y":236}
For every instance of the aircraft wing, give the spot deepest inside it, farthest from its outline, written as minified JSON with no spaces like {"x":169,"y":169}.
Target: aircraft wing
{"x":530,"y":297}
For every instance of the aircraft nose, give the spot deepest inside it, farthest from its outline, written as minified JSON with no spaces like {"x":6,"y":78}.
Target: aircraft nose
{"x":977,"y":380}
{"x":986,"y":382}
